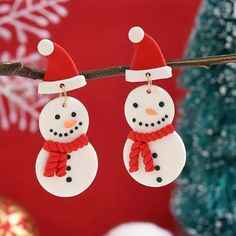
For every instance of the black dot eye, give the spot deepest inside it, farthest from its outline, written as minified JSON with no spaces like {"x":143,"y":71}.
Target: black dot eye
{"x":57,"y":117}
{"x":161,"y":104}
{"x":73,"y":114}
{"x":135,"y":105}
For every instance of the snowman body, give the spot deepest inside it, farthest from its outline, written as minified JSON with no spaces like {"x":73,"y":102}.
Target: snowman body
{"x":167,"y":164}
{"x":145,"y":113}
{"x":81,"y":171}
{"x":63,"y":125}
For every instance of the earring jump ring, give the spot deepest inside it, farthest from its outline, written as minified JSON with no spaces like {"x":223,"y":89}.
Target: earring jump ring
{"x":148,"y":75}
{"x":64,"y":94}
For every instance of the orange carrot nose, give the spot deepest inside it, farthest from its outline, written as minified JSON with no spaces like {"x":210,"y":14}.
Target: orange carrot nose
{"x":70,"y":123}
{"x":150,"y":111}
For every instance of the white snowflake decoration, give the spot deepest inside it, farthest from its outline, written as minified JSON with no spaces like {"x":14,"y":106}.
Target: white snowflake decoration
{"x":29,"y":16}
{"x":22,"y":18}
{"x":21,"y":95}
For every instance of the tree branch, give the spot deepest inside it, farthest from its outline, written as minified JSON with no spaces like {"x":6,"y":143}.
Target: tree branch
{"x":18,"y":69}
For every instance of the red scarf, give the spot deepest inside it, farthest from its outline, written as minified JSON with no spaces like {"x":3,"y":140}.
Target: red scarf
{"x":140,"y":145}
{"x":56,"y":163}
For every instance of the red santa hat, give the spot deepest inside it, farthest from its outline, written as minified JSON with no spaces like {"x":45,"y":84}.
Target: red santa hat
{"x":147,"y":60}
{"x":61,"y":70}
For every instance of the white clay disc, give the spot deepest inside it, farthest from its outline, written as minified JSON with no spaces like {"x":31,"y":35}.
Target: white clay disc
{"x":65,"y":124}
{"x":146,"y":113}
{"x":83,"y":166}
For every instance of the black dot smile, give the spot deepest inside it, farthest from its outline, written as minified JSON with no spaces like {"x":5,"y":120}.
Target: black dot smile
{"x":163,"y":119}
{"x":159,"y":179}
{"x":66,"y":134}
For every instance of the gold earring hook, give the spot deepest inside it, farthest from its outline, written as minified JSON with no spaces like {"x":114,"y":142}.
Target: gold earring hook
{"x":64,"y":94}
{"x":149,"y":85}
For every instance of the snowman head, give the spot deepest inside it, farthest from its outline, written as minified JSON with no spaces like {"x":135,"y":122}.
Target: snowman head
{"x":147,"y":112}
{"x":63,"y":124}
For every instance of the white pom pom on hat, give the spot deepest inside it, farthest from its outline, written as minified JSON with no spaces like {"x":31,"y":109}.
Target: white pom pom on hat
{"x":136,"y":34}
{"x":45,"y":47}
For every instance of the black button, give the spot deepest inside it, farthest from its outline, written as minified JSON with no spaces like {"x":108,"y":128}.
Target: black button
{"x":154,"y":155}
{"x":140,"y":123}
{"x":135,"y":105}
{"x":55,"y":133}
{"x":152,"y":124}
{"x":159,"y":179}
{"x":51,"y":130}
{"x":68,"y":179}
{"x":158,"y":122}
{"x":163,"y":119}
{"x":80,"y":123}
{"x":68,"y":168}
{"x":134,"y":120}
{"x":157,"y":168}
{"x":65,"y":134}
{"x":60,"y":135}
{"x":71,"y":131}
{"x":76,"y":127}
{"x":68,"y":157}
{"x":166,"y":116}
{"x":146,"y":125}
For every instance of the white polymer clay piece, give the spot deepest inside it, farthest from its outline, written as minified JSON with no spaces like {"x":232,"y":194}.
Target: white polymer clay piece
{"x":145,"y":113}
{"x":82,"y":164}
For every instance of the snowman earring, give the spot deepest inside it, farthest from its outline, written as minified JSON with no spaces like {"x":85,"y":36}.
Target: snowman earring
{"x":67,"y":164}
{"x":154,"y":154}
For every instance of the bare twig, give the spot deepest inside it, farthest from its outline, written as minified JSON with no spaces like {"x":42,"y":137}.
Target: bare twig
{"x":18,"y":69}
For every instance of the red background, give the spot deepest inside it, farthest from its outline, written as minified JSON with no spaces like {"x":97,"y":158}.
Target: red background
{"x":95,"y":34}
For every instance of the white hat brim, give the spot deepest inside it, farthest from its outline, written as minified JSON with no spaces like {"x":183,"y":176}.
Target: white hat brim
{"x":155,"y":74}
{"x":47,"y":87}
